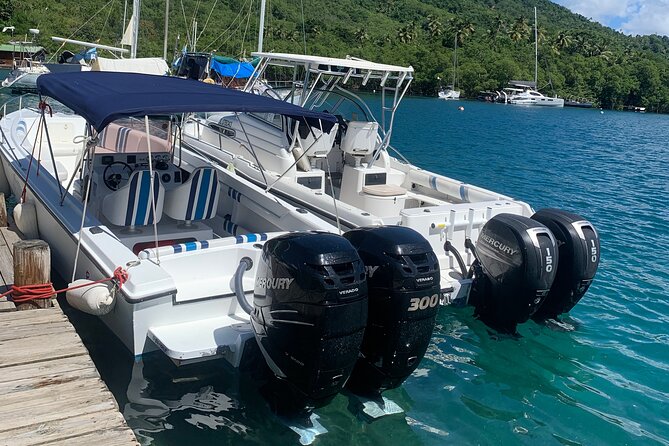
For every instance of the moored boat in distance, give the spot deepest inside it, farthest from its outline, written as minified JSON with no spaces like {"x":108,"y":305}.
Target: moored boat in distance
{"x":525,"y":93}
{"x":449,"y":93}
{"x":580,"y":103}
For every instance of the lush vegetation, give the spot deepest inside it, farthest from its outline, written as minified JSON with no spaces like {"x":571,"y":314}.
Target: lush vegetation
{"x":495,"y":39}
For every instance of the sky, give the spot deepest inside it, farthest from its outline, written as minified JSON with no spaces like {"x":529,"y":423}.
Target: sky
{"x":628,"y":16}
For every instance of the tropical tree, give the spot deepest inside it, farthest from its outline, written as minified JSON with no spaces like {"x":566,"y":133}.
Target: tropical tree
{"x":434,"y":26}
{"x":407,"y":33}
{"x":520,"y":30}
{"x":361,"y":35}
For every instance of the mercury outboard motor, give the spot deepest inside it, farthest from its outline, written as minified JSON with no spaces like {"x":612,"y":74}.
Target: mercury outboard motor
{"x":516,"y":263}
{"x":403,"y":288}
{"x":578,"y":246}
{"x":309,"y":316}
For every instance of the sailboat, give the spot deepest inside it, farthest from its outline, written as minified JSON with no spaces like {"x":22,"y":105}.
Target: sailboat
{"x":146,"y":65}
{"x":525,"y":92}
{"x":449,"y":92}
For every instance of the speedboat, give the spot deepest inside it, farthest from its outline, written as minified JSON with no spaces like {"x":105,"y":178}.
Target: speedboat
{"x":494,"y":252}
{"x":449,"y":93}
{"x":23,"y":77}
{"x":166,"y":246}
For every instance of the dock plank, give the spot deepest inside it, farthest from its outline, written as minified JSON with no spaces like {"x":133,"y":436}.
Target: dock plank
{"x":39,"y":348}
{"x":45,"y":368}
{"x":66,"y":430}
{"x":47,"y":375}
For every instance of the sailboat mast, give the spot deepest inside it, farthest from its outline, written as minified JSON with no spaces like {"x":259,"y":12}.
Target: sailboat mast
{"x":167,"y":18}
{"x":536,"y":44}
{"x":455,"y":59}
{"x":136,"y":5}
{"x":261,"y":30}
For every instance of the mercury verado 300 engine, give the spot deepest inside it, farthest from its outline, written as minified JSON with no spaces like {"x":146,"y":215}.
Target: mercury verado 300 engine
{"x":516,"y":263}
{"x":403,"y":288}
{"x":309,"y":315}
{"x":578,"y":246}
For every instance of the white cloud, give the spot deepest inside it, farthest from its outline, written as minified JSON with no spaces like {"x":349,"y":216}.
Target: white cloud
{"x":628,"y":16}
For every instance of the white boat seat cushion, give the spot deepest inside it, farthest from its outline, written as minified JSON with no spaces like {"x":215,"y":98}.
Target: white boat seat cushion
{"x":384,"y":190}
{"x":131,"y":204}
{"x":196,"y":199}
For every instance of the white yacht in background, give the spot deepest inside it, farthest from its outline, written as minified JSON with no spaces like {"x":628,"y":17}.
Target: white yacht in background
{"x":350,"y":179}
{"x":449,"y":93}
{"x":524,"y":93}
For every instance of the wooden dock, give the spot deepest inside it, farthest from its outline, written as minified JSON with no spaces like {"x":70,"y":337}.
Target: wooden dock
{"x":50,"y":391}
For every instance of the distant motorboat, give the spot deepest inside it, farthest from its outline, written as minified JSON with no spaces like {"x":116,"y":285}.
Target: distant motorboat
{"x":449,"y":93}
{"x":22,"y":79}
{"x":577,"y":103}
{"x":520,"y":94}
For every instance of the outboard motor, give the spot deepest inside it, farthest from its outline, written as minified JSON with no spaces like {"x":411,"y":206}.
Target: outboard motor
{"x":578,"y":245}
{"x":309,"y":316}
{"x":403,"y":287}
{"x":516,"y":264}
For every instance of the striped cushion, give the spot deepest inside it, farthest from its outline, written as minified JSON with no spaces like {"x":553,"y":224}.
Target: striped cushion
{"x":203,"y":195}
{"x":140,"y":211}
{"x":196,"y":199}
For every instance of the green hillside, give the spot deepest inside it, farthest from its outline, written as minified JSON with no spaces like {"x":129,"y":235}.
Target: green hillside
{"x":577,"y":57}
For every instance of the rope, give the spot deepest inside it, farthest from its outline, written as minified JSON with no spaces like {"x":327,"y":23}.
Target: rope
{"x":26,"y":293}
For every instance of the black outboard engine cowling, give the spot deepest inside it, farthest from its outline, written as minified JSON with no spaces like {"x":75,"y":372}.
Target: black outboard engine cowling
{"x":403,"y":288}
{"x":310,"y":312}
{"x":578,"y":245}
{"x":515,"y":268}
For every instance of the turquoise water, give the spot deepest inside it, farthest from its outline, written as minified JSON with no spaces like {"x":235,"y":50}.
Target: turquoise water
{"x":600,"y":378}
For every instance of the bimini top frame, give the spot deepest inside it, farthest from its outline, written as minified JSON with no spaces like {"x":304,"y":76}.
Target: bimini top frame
{"x":323,"y":74}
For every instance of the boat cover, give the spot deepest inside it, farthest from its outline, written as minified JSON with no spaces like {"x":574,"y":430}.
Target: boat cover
{"x":238,"y":70}
{"x":103,"y":97}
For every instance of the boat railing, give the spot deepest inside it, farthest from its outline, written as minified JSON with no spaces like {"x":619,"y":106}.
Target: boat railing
{"x":30,"y":101}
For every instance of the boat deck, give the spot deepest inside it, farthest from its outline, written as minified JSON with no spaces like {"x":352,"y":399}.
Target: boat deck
{"x":50,"y":391}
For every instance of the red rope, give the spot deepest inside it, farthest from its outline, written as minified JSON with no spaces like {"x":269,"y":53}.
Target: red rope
{"x":25,"y":293}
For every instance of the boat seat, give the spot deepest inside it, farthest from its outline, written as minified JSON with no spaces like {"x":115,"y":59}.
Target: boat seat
{"x":196,"y":199}
{"x":384,"y":190}
{"x":131,"y":204}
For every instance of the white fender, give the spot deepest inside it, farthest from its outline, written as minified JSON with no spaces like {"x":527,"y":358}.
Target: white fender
{"x":25,"y":217}
{"x":96,"y":299}
{"x":302,"y":163}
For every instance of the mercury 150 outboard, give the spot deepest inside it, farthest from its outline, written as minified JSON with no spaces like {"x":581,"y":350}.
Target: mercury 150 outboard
{"x":516,"y":263}
{"x":309,"y":315}
{"x":403,"y":289}
{"x":578,"y":246}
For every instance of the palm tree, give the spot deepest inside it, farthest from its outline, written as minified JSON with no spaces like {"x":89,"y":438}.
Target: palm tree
{"x":562,"y":41}
{"x":434,"y":27}
{"x":520,"y":30}
{"x":407,"y":33}
{"x":361,"y":35}
{"x":461,"y":29}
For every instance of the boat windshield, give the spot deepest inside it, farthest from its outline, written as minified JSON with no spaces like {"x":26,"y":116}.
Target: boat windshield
{"x":340,"y":102}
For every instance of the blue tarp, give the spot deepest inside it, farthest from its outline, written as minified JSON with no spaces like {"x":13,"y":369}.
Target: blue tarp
{"x":102,"y":97}
{"x":239,"y":70}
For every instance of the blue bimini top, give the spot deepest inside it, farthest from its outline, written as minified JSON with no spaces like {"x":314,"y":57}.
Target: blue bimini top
{"x":102,"y":97}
